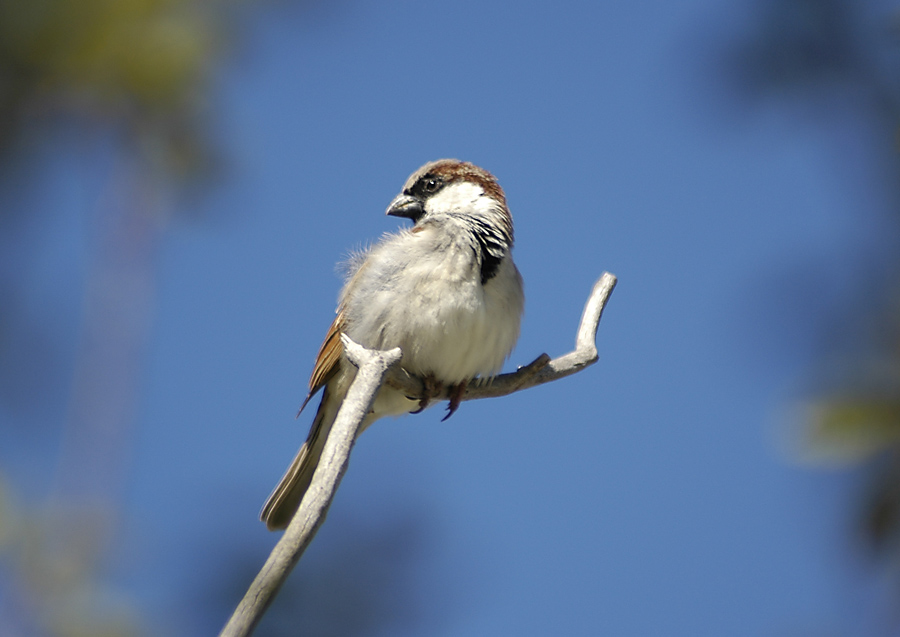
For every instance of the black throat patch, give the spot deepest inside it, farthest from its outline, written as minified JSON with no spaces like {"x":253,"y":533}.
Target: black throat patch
{"x":491,"y":248}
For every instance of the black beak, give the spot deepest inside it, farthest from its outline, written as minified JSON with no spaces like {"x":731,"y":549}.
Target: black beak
{"x":406,"y":206}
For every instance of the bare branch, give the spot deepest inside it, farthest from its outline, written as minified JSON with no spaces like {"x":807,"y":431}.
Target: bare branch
{"x":375,"y":368}
{"x":315,"y":504}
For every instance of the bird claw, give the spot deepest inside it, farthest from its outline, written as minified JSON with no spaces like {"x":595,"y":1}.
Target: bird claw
{"x":456,"y":394}
{"x":432,"y":388}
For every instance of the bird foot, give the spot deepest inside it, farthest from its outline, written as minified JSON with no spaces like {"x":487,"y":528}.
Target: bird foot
{"x":433,"y":387}
{"x":456,"y":394}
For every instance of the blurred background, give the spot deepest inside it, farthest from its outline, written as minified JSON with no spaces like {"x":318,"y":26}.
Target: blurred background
{"x":179,"y":178}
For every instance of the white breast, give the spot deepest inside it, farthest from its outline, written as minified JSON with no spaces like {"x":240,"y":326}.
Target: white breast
{"x":421,"y":290}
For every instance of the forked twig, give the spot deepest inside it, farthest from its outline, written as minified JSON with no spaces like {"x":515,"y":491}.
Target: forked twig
{"x":375,"y":368}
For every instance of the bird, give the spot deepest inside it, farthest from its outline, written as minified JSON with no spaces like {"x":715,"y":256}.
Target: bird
{"x":445,"y":290}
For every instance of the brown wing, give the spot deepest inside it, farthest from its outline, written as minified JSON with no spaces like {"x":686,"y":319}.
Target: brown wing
{"x":328,"y":359}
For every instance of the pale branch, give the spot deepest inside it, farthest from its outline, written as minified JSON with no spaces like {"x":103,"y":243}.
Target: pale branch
{"x":309,"y":517}
{"x":376,"y":368}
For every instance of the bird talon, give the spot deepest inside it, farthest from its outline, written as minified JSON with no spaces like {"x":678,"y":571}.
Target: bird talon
{"x":456,"y":394}
{"x":432,"y":388}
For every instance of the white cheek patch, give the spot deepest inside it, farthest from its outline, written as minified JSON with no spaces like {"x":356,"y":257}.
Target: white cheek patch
{"x":455,"y":197}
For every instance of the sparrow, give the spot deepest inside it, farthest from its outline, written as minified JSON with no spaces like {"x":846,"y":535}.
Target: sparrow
{"x":445,"y":291}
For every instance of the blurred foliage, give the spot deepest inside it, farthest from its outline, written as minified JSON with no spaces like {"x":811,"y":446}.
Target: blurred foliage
{"x":855,"y":422}
{"x":139,"y":65}
{"x":54,"y":581}
{"x":853,"y":428}
{"x":135,"y":72}
{"x":137,"y":75}
{"x":803,"y":42}
{"x":817,"y":50}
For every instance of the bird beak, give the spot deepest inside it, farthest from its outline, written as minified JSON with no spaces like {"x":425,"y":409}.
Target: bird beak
{"x":406,"y":206}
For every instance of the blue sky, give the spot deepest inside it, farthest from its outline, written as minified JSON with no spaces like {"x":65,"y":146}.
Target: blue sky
{"x":649,"y":494}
